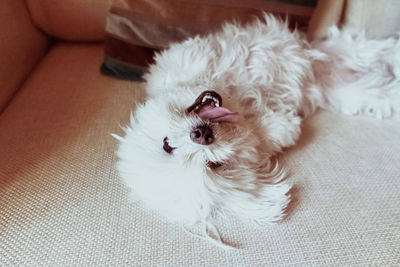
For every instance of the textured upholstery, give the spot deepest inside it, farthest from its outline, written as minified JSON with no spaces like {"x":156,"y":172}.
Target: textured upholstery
{"x":62,"y":203}
{"x":21,"y":47}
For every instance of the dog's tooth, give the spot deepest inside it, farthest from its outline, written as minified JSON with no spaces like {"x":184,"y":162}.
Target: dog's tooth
{"x":216,"y":101}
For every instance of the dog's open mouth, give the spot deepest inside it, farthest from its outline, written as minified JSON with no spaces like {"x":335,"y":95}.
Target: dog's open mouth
{"x":209,"y":108}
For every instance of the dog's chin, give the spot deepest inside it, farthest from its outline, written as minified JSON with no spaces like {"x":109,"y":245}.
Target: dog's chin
{"x":194,"y":192}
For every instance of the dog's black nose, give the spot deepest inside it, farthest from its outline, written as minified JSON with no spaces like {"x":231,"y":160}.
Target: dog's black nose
{"x":202,"y":135}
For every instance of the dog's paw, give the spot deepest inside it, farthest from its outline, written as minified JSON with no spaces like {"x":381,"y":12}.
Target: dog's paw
{"x":283,"y":129}
{"x":377,"y":108}
{"x":369,"y":105}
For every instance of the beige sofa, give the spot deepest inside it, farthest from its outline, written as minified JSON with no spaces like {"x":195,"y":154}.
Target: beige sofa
{"x":62,"y":203}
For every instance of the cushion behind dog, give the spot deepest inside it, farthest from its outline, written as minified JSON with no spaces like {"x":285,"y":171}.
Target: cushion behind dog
{"x":135,"y":27}
{"x":73,"y":20}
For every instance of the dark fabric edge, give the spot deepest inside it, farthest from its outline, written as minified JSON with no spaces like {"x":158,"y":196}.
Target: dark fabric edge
{"x":118,"y":69}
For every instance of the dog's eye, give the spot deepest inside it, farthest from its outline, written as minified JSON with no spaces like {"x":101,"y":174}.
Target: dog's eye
{"x":167,"y":148}
{"x":214,"y":165}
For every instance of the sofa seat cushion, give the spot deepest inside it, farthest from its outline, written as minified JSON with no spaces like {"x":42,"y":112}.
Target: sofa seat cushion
{"x":62,"y":203}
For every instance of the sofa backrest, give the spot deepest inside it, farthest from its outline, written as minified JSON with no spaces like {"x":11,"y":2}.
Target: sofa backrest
{"x":21,"y":47}
{"x":73,"y":20}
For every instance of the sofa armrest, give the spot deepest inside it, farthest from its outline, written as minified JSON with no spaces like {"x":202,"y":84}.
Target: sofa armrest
{"x":21,"y":47}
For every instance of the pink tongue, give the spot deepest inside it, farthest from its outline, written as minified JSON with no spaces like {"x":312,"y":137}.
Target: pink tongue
{"x":217,"y":114}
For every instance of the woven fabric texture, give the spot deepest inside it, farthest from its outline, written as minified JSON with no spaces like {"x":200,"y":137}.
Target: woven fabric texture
{"x":62,"y":203}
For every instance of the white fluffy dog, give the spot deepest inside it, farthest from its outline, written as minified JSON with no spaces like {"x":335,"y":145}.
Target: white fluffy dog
{"x":221,"y":106}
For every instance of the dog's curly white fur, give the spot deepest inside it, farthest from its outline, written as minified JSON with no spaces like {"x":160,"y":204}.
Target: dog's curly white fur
{"x":269,"y":78}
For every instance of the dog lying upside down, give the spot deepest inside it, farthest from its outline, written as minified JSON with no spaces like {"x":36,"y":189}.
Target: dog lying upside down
{"x":221,"y":106}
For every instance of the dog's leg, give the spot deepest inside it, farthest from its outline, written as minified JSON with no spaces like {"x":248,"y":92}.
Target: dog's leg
{"x":379,"y":101}
{"x":360,"y":76}
{"x":283,"y":129}
{"x":375,"y":93}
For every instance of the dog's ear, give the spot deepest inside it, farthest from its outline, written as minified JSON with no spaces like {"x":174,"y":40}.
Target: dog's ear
{"x":181,"y":63}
